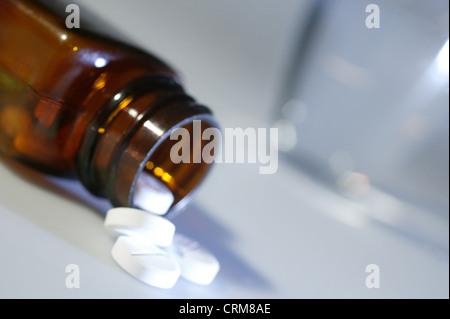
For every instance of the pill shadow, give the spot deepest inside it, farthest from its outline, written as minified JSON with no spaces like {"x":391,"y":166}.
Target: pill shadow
{"x":198,"y":224}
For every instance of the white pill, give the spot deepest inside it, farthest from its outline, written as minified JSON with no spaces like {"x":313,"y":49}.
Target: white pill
{"x":147,"y":263}
{"x":196,"y":262}
{"x":141,"y":225}
{"x":152,"y":195}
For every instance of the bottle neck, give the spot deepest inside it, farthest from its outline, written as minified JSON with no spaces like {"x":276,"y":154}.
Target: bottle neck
{"x":128,"y":143}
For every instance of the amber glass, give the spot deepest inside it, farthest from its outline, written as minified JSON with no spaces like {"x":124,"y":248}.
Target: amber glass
{"x":72,"y":100}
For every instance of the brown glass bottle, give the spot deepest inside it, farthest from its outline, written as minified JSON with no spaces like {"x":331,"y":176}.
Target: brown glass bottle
{"x":72,"y":100}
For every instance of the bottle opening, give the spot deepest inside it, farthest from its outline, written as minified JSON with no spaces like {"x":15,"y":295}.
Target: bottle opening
{"x":175,"y":167}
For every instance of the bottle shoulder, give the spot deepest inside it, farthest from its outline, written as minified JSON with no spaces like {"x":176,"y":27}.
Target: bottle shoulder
{"x":40,"y":51}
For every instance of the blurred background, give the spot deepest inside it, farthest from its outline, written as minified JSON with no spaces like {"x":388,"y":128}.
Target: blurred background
{"x":363,"y":173}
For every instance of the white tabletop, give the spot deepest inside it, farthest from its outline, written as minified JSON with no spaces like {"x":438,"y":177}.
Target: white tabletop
{"x":276,"y":236}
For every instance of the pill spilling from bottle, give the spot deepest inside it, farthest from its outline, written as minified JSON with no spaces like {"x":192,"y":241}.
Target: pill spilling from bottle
{"x":148,"y":248}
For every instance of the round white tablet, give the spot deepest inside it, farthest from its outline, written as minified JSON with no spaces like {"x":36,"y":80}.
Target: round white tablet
{"x":147,"y":263}
{"x":196,"y":262}
{"x":141,"y":225}
{"x":152,"y":195}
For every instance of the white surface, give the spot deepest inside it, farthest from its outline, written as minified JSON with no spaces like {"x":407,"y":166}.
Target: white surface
{"x":147,"y":263}
{"x":141,"y":225}
{"x":276,"y":236}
